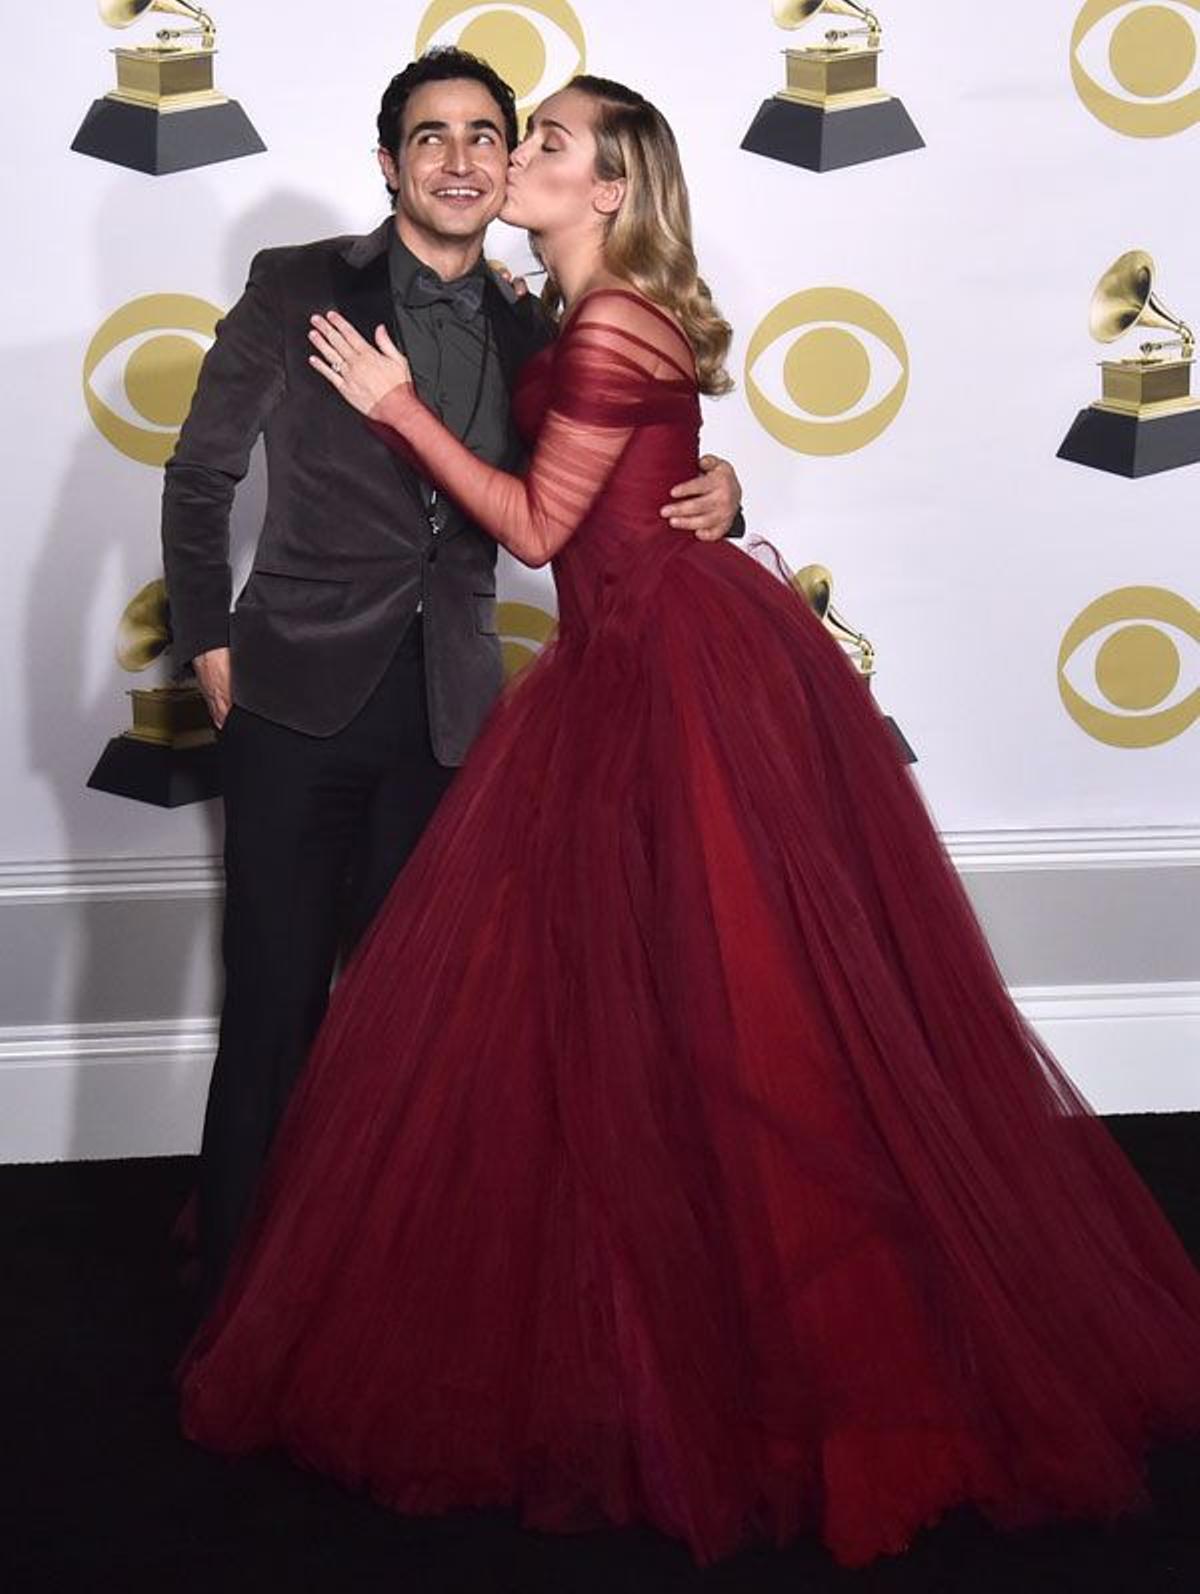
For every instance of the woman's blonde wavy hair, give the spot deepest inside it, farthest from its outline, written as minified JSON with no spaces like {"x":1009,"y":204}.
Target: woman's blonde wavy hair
{"x":649,"y":239}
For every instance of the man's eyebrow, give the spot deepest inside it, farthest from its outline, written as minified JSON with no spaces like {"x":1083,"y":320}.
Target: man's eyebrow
{"x":480,"y":124}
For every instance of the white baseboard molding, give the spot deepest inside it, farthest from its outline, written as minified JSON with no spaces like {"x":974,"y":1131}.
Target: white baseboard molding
{"x":109,"y":879}
{"x":973,"y":851}
{"x":94,"y":1091}
{"x":1021,"y":851}
{"x":1128,"y":1048}
{"x":84,"y":1092}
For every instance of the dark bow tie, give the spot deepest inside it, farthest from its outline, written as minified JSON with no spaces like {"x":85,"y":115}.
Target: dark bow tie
{"x":464,"y":295}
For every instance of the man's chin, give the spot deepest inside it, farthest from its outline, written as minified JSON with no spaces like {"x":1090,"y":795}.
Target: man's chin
{"x":464,"y":223}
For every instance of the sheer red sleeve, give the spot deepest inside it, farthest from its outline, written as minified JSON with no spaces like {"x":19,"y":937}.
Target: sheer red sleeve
{"x":605,"y":364}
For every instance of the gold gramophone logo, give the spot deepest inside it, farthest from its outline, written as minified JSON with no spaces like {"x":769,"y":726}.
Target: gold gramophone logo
{"x":174,"y":715}
{"x":814,"y":583}
{"x":166,"y":113}
{"x":524,"y":631}
{"x":826,"y":371}
{"x":831,"y":111}
{"x":167,"y":756}
{"x":1134,"y":65}
{"x":142,"y":632}
{"x":1145,"y":419}
{"x":535,"y":45}
{"x":1128,"y":671}
{"x":140,"y":371}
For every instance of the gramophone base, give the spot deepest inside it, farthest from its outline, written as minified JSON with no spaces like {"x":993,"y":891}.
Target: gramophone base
{"x":824,"y":140}
{"x":158,"y":142}
{"x":167,"y":777}
{"x":1131,"y":445}
{"x":907,"y":756}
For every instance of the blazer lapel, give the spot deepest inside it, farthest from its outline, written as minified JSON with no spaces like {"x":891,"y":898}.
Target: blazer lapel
{"x":362,"y":283}
{"x":500,"y":311}
{"x":518,"y":327}
{"x":362,"y":291}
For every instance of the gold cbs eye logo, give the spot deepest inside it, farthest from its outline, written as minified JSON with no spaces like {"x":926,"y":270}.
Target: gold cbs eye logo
{"x":837,"y":385}
{"x":535,"y":45}
{"x":524,"y":631}
{"x":1134,"y":65}
{"x":1139,"y":647}
{"x":138,"y":396}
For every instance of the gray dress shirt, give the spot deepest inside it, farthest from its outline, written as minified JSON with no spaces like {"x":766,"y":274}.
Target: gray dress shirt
{"x":457,"y":374}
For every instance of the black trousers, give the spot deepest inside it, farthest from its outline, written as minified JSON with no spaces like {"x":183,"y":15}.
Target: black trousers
{"x":316,"y":830}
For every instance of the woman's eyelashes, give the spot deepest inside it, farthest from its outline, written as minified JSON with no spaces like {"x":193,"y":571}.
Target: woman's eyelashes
{"x":532,"y":145}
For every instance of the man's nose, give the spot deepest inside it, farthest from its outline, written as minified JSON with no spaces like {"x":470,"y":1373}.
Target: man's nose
{"x":458,"y":155}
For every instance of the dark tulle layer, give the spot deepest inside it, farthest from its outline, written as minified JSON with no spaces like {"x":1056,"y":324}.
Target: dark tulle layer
{"x":672,"y":1150}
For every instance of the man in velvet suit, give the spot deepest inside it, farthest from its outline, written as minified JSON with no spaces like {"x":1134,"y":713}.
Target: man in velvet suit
{"x":361,"y":656}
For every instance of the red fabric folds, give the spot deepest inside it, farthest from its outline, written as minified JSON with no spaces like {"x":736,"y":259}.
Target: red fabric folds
{"x":672,"y":1150}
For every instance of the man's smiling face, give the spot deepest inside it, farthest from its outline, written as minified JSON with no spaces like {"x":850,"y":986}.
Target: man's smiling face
{"x":451,"y":166}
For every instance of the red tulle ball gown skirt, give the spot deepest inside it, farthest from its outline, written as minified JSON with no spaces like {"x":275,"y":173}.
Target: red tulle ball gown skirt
{"x":672,"y":1151}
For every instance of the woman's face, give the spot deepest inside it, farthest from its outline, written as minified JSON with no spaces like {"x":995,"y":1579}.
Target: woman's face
{"x":552,"y":182}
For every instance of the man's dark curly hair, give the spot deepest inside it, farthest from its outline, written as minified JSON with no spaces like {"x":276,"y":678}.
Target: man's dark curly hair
{"x":440,"y":65}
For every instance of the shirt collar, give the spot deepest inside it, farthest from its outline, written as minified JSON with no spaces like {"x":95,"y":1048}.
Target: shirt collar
{"x":403,"y":265}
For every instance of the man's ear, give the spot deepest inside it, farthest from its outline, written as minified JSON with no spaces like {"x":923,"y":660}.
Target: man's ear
{"x":609,"y":196}
{"x":388,"y":166}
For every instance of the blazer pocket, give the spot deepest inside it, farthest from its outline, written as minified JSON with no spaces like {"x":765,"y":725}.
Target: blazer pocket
{"x":287,"y":592}
{"x":485,"y":613}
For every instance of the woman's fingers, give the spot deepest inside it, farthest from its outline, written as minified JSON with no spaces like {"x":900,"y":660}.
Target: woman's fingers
{"x":354,"y":339}
{"x":362,"y":372}
{"x":327,"y":371}
{"x":329,"y":332}
{"x":325,"y":348}
{"x":335,"y":336}
{"x":383,"y":341}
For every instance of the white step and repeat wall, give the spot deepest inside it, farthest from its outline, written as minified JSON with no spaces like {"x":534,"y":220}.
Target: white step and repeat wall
{"x":911,"y":347}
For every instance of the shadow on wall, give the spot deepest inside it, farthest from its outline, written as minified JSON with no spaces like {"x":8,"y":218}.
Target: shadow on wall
{"x":143,"y":959}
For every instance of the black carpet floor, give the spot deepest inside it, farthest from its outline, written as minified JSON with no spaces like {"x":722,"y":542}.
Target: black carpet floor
{"x":99,"y":1492}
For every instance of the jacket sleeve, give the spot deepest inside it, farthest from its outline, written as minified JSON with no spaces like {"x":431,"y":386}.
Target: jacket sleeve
{"x":241,"y":381}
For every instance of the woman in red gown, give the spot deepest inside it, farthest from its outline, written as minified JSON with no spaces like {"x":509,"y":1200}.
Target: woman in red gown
{"x":672,"y":1150}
